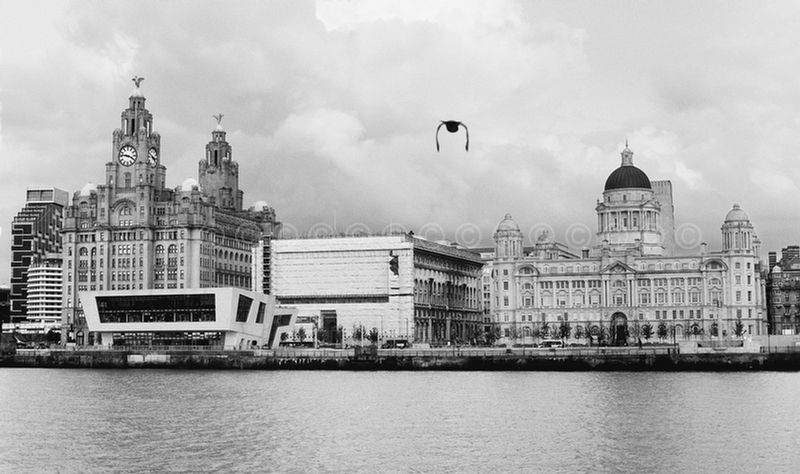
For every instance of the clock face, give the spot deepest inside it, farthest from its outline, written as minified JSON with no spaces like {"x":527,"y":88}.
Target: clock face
{"x":127,"y":155}
{"x":152,"y":157}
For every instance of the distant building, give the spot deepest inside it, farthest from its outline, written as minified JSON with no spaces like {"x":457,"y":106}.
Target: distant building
{"x":35,"y":232}
{"x":633,"y":283}
{"x":203,"y":317}
{"x":783,"y":291}
{"x":132,"y":232}
{"x":5,"y":306}
{"x":403,"y":287}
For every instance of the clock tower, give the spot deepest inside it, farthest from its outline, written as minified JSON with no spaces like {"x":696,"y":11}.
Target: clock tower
{"x":136,"y":148}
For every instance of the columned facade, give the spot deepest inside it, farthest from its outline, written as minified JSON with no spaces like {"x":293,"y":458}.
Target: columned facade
{"x":630,"y":286}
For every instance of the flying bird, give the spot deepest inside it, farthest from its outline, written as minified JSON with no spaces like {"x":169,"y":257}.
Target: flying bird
{"x":452,"y":127}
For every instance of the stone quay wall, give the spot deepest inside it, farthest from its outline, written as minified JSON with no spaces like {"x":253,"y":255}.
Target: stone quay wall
{"x":602,"y":359}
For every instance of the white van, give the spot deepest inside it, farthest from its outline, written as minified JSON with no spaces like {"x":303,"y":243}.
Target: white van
{"x":552,"y":343}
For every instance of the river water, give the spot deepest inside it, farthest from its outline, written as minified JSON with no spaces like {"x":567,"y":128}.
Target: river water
{"x":137,"y":421}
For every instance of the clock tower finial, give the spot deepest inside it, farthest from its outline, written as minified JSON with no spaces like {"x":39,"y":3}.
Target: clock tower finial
{"x":137,"y":80}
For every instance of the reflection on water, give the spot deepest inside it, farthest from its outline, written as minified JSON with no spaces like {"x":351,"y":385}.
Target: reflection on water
{"x":133,"y":421}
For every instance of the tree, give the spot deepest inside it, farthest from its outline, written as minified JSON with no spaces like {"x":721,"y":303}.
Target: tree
{"x":696,"y":330}
{"x":647,"y":331}
{"x":545,"y":330}
{"x":564,"y":330}
{"x":662,"y":330}
{"x":301,"y":334}
{"x":579,"y":332}
{"x":284,"y":336}
{"x":373,"y":336}
{"x":634,"y":330}
{"x":714,"y":329}
{"x":358,"y":332}
{"x":492,"y":335}
{"x":738,"y":328}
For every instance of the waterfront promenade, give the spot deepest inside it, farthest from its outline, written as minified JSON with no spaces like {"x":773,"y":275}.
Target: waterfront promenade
{"x":682,"y":357}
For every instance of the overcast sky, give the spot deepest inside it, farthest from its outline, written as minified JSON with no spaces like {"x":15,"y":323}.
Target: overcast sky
{"x":332,"y":107}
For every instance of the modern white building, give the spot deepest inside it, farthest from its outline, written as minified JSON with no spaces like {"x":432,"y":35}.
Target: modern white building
{"x":399,"y":285}
{"x":217,"y":317}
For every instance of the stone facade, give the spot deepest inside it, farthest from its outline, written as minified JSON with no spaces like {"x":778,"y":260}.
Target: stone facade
{"x":783,"y":292}
{"x":632,"y":284}
{"x":134,"y":233}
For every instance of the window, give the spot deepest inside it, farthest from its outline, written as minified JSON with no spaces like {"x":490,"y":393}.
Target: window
{"x":677,"y":297}
{"x":260,"y":315}
{"x":562,"y":299}
{"x":694,"y":297}
{"x":243,"y":308}
{"x":644,"y":298}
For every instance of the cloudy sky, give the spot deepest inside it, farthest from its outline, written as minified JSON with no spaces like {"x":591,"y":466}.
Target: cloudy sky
{"x":332,"y":107}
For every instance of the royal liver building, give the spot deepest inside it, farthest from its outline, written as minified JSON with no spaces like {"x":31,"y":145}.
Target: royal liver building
{"x":632,"y":285}
{"x":133,"y":232}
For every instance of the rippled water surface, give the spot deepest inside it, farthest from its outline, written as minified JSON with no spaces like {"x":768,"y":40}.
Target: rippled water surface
{"x":135,"y":421}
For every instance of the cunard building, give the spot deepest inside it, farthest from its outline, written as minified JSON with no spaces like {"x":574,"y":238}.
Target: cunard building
{"x":132,"y":232}
{"x":632,"y":285}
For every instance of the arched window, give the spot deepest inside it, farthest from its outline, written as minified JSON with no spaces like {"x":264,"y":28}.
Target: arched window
{"x":173,"y":248}
{"x":83,"y":252}
{"x":159,"y":249}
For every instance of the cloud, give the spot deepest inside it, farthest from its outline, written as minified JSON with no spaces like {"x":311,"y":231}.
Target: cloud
{"x":331,"y":107}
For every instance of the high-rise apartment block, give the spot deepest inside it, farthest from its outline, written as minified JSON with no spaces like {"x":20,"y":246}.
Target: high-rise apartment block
{"x":35,"y":232}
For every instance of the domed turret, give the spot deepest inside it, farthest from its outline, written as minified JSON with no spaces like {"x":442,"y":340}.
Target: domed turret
{"x":627,"y":175}
{"x":259,"y":205}
{"x":190,"y":184}
{"x":629,"y":216}
{"x":736,"y":215}
{"x":88,"y":189}
{"x":738,"y":233}
{"x":508,"y":238}
{"x":508,"y":223}
{"x":545,"y":237}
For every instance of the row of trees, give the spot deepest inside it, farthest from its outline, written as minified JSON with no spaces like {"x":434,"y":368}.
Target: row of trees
{"x":603,"y":333}
{"x":599,"y":333}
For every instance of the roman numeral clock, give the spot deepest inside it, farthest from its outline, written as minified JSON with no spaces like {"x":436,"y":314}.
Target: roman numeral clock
{"x":127,"y":155}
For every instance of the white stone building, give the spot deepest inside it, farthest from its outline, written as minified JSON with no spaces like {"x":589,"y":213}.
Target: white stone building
{"x":633,"y":284}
